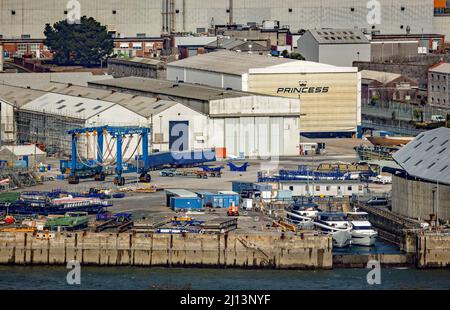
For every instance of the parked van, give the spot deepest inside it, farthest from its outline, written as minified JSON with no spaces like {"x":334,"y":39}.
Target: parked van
{"x":437,"y":118}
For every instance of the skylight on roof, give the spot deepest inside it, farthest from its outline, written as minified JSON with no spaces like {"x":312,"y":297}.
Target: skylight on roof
{"x":97,"y":107}
{"x":61,"y":107}
{"x":60,"y":101}
{"x":429,"y":148}
{"x":79,"y":104}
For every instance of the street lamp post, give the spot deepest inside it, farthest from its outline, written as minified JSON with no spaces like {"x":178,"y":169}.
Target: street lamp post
{"x":435,"y":191}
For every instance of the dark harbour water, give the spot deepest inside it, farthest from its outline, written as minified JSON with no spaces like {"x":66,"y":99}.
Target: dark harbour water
{"x":127,"y":278}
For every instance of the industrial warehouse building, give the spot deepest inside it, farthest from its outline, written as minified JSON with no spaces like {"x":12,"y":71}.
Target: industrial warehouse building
{"x":323,"y":188}
{"x":145,"y":18}
{"x":338,"y":47}
{"x":329,"y":96}
{"x":422,"y":188}
{"x":44,"y":117}
{"x":248,"y":124}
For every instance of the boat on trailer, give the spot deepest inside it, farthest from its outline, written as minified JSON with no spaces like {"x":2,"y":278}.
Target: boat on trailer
{"x":56,"y":206}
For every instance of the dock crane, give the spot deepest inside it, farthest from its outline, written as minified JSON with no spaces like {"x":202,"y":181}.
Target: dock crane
{"x":118,"y":134}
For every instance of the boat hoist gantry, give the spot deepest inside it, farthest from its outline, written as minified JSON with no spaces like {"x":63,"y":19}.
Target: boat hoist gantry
{"x":117,"y":134}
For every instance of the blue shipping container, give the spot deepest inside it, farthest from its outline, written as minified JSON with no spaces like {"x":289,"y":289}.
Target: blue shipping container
{"x":221,"y":200}
{"x":187,"y":203}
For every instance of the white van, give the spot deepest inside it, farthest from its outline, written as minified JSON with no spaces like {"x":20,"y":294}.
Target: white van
{"x":437,"y":118}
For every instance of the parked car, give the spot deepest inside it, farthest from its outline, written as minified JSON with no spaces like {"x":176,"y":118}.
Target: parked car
{"x":378,"y":201}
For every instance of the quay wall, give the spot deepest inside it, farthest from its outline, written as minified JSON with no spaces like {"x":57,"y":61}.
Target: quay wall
{"x":433,"y":251}
{"x":360,"y":261}
{"x":283,"y":251}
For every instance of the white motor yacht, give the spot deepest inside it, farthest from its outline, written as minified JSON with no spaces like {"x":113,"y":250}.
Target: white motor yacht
{"x":336,"y":225}
{"x":362,"y":231}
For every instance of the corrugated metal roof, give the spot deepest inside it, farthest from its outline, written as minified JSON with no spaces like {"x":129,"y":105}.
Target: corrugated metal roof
{"x":236,"y":44}
{"x":181,"y":192}
{"x":18,"y":96}
{"x":35,"y":80}
{"x":149,"y":106}
{"x":138,"y":60}
{"x":302,"y":66}
{"x":81,"y":108}
{"x":339,"y":36}
{"x":380,"y":76}
{"x":442,"y":68}
{"x":229,"y":62}
{"x":22,"y":97}
{"x":427,"y":156}
{"x":170,"y":88}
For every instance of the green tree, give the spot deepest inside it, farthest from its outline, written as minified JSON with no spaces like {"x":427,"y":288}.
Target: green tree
{"x":297,"y":56}
{"x":86,"y":43}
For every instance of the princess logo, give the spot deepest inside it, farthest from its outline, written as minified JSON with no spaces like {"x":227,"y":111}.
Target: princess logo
{"x":303,"y":89}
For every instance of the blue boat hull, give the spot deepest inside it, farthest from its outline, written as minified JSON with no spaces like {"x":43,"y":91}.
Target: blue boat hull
{"x":46,"y":209}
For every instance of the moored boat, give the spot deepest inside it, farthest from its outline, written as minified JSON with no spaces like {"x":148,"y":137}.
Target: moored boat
{"x":362,"y":231}
{"x":336,"y":225}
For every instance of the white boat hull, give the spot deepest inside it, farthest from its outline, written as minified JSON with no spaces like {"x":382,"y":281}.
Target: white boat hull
{"x":341,"y":238}
{"x":364,"y":238}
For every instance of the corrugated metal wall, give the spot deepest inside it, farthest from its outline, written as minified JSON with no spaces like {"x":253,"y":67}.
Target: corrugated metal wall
{"x":263,"y":137}
{"x":146,"y":16}
{"x":334,"y":111}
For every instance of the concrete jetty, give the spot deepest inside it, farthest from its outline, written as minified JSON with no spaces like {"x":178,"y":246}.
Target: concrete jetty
{"x":250,"y":250}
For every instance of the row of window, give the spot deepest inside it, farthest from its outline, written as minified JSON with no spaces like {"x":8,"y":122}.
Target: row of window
{"x":438,"y":100}
{"x":327,"y":188}
{"x":438,"y":76}
{"x":439,"y":87}
{"x":22,"y":47}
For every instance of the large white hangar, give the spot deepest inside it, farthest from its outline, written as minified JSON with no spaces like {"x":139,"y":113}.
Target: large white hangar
{"x":248,"y":124}
{"x":330,"y":96}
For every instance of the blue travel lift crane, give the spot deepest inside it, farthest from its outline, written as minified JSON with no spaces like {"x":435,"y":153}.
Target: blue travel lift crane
{"x":117,"y":133}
